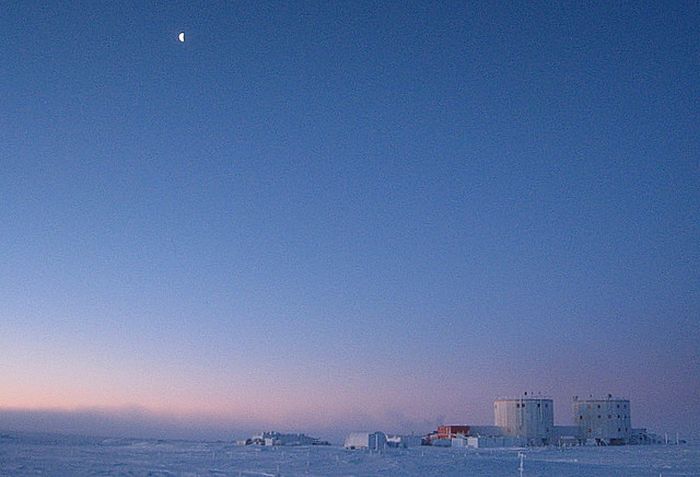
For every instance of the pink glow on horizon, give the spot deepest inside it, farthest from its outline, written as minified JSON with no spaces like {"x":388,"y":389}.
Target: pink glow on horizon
{"x":273,"y":410}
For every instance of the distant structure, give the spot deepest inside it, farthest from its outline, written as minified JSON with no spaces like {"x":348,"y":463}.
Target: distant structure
{"x":529,"y":421}
{"x":404,"y":441}
{"x":447,"y":432}
{"x":606,"y":421}
{"x":273,"y":438}
{"x":450,"y":432}
{"x":530,"y":418}
{"x":643,"y":437}
{"x":480,"y":442}
{"x":366,"y":440}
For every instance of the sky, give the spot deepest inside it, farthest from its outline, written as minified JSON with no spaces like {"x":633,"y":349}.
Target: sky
{"x":337,"y":216}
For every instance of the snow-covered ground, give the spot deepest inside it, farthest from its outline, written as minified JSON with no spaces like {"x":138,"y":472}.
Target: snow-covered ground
{"x":55,"y":455}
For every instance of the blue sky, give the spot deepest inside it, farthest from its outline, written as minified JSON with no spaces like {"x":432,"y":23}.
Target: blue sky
{"x":317,"y":215}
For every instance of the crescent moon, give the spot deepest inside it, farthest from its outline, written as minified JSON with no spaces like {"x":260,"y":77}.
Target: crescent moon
{"x":181,"y":37}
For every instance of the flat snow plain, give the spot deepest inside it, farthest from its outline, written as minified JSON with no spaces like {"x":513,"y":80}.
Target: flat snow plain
{"x":57,"y":455}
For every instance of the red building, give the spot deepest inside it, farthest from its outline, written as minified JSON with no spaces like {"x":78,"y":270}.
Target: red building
{"x":448,"y":432}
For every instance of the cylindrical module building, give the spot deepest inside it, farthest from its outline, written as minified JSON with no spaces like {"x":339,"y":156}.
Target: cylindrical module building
{"x":607,"y":421}
{"x":531,"y":418}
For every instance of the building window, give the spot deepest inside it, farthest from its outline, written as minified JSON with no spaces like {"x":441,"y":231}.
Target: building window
{"x":538,"y":404}
{"x":619,"y":430}
{"x":598,"y":416}
{"x":609,"y":416}
{"x":580,"y":418}
{"x":598,"y":406}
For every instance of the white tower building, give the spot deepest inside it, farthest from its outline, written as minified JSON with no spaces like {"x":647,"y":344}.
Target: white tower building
{"x":605,"y":420}
{"x":531,"y":418}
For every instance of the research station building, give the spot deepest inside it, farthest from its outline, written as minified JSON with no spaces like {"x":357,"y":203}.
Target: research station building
{"x":607,"y":421}
{"x":530,"y":418}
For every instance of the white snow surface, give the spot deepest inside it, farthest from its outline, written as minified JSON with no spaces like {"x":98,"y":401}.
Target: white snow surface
{"x":58,"y":455}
